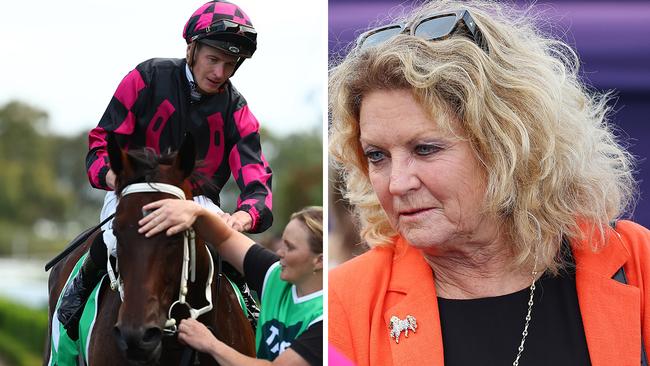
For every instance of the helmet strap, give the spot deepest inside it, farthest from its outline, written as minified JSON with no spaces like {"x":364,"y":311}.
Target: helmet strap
{"x":241,"y":61}
{"x":192,"y":54}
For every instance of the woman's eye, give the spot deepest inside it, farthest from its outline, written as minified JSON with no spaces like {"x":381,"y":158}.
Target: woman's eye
{"x":374,"y":156}
{"x":426,"y":149}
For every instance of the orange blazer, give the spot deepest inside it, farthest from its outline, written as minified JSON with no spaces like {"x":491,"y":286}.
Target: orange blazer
{"x":365,"y":292}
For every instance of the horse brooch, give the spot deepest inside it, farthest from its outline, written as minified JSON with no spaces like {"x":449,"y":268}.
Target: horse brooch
{"x":398,"y":325}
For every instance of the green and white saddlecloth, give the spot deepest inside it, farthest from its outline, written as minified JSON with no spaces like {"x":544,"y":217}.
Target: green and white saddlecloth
{"x":63,"y":350}
{"x":66,"y":352}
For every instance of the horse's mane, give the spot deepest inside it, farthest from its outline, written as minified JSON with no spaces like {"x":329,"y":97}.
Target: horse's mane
{"x":146,"y":169}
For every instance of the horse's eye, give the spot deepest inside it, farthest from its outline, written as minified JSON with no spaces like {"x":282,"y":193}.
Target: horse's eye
{"x":146,"y":212}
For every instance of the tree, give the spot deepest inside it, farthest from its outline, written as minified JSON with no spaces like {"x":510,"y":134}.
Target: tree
{"x":43,"y":182}
{"x":28,"y":175}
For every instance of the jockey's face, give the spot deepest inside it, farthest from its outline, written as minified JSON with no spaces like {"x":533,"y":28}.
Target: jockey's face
{"x":212,"y":68}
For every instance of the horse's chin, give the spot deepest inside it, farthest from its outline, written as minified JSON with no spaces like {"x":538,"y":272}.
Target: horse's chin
{"x":139,"y":358}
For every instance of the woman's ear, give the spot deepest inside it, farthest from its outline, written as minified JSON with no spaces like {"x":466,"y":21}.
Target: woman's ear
{"x":318,"y":262}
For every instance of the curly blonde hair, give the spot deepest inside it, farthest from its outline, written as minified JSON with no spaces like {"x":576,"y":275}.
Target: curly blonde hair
{"x":553,"y":166}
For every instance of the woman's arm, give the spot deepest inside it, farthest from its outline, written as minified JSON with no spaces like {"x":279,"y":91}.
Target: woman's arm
{"x":175,"y":216}
{"x":197,"y":336}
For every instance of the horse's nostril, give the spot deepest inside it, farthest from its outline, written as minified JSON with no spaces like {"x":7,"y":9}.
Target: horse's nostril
{"x":121,"y":343}
{"x":152,"y":335}
{"x":138,"y":339}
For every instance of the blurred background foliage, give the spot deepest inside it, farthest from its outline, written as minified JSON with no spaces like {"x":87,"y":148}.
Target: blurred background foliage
{"x":46,"y":200}
{"x":45,"y":197}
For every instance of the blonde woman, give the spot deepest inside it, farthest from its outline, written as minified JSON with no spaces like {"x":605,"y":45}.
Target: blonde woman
{"x":489,"y":183}
{"x":290,"y":283}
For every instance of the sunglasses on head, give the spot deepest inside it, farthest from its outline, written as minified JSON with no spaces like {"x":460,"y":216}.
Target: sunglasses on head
{"x":433,"y":27}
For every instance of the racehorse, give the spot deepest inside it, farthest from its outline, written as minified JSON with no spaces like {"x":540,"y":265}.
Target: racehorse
{"x":160,"y":279}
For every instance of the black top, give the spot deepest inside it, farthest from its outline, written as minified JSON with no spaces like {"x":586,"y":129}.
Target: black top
{"x":488,"y":331}
{"x":309,"y":345}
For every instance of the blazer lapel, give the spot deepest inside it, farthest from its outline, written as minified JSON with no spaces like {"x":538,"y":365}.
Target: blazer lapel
{"x":610,"y":310}
{"x":412,"y":284}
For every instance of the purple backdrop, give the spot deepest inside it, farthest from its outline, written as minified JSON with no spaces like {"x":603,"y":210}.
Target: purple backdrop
{"x":611,"y":38}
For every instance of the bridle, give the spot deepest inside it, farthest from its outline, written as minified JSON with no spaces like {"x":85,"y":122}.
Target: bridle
{"x":188,"y":270}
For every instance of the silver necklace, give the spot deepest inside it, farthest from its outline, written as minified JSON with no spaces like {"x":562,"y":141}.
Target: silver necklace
{"x":524,"y":334}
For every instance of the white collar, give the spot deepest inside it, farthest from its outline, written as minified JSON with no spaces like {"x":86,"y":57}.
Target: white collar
{"x":195,"y":94}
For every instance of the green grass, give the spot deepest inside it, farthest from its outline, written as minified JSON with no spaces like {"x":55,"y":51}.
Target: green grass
{"x":15,"y":353}
{"x":22,"y":333}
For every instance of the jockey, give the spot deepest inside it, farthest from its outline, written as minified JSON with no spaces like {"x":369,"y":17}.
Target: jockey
{"x":155,"y":105}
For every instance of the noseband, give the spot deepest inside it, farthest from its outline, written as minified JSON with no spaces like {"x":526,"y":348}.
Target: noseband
{"x":188,"y":270}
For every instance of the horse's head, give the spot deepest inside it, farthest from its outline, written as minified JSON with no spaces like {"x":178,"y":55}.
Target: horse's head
{"x":149,"y":268}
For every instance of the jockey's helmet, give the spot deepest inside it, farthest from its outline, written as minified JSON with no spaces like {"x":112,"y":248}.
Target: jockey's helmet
{"x":222,"y":25}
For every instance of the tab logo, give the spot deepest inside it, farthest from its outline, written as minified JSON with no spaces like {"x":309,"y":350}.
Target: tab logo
{"x":276,"y":337}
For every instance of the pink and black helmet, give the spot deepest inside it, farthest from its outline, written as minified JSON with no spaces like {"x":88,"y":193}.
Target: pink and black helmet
{"x":222,"y":25}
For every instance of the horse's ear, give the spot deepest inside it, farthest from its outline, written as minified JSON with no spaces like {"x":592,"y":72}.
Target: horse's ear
{"x":186,"y":157}
{"x":115,"y":156}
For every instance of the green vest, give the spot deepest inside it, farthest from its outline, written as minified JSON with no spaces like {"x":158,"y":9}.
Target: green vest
{"x":283,"y":315}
